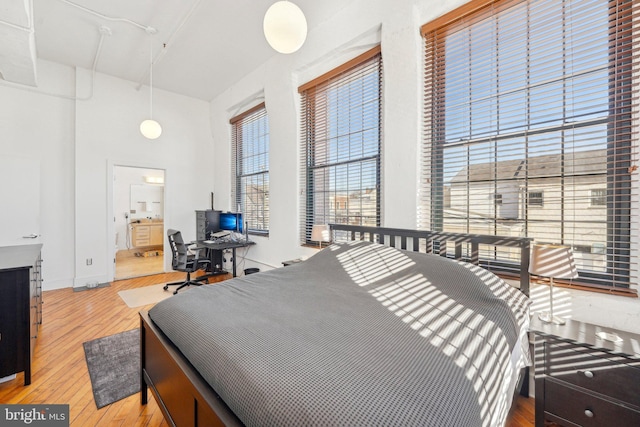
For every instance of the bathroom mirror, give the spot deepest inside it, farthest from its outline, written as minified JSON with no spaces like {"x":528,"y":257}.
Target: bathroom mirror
{"x":147,"y":201}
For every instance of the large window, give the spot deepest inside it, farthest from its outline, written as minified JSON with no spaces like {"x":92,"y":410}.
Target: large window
{"x":250,"y":171}
{"x":535,"y":101}
{"x":341,"y":145}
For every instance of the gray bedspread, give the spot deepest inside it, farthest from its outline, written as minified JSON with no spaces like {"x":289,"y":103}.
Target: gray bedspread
{"x":360,"y":334}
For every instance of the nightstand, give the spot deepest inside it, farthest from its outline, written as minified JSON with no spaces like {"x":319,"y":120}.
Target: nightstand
{"x":584,"y":380}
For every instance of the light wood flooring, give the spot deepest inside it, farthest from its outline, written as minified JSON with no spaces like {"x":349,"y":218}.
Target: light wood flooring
{"x":59,"y":372}
{"x":129,"y":265}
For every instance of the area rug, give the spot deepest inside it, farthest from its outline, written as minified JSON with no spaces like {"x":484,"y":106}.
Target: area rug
{"x":114,"y":366}
{"x":146,"y":295}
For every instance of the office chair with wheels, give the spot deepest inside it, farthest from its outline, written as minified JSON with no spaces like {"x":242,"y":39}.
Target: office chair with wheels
{"x":182,"y":260}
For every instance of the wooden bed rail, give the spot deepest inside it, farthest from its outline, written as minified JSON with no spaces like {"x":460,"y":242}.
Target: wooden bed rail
{"x":436,"y":242}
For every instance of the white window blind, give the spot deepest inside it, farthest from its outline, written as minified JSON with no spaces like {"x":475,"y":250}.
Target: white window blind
{"x":535,"y":103}
{"x":340,"y":155}
{"x":250,"y":167}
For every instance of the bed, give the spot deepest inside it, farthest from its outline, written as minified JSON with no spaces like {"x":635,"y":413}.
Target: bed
{"x":383,"y":327}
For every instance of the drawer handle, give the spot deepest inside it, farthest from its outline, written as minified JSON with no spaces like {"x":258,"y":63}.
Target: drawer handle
{"x":588,"y":374}
{"x":589,"y":413}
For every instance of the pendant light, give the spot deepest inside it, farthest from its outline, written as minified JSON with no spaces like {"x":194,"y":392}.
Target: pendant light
{"x":150,"y":128}
{"x":285,"y":27}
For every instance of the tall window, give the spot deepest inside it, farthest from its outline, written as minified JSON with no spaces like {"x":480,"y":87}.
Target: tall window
{"x":250,"y":174}
{"x":536,"y":101}
{"x":341,"y":145}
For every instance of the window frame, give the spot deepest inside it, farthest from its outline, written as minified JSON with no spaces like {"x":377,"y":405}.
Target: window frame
{"x":619,"y":250}
{"x":313,"y":132}
{"x":598,"y":200}
{"x":535,"y":198}
{"x":238,"y":196}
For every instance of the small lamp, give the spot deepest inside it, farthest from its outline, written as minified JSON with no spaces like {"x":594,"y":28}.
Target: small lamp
{"x":285,"y":27}
{"x":554,"y":262}
{"x":320,"y":233}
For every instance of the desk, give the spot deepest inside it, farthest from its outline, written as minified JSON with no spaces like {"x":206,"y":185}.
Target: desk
{"x":215,"y":254}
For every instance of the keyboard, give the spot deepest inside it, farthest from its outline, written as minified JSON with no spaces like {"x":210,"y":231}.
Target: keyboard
{"x":220,"y":234}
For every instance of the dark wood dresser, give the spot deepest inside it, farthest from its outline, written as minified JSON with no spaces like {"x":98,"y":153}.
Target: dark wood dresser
{"x":584,"y":380}
{"x":20,"y":307}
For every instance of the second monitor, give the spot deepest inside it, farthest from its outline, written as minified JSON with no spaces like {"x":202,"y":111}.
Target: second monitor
{"x":231,"y":221}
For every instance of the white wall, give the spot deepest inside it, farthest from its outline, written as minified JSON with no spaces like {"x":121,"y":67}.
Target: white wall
{"x":106,"y":135}
{"x":42,"y":127}
{"x":79,"y":142}
{"x":396,"y":25}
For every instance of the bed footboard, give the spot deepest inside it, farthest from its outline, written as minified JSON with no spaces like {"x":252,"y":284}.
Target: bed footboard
{"x":182,"y":394}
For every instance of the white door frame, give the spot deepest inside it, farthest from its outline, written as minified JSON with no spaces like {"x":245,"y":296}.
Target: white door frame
{"x":111,"y":232}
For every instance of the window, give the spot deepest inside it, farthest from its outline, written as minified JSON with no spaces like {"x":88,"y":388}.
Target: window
{"x":536,"y":100}
{"x":341,"y":145}
{"x":599,"y":197}
{"x":497,"y":199}
{"x":250,"y":170}
{"x":536,"y":198}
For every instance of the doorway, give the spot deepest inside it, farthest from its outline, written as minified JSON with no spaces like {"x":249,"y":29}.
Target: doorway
{"x":138,"y":205}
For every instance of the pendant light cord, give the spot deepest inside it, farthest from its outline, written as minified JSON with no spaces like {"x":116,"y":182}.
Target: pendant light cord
{"x":151,"y":78}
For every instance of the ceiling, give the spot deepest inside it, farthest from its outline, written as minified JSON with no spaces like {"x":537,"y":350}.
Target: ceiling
{"x":201,"y":47}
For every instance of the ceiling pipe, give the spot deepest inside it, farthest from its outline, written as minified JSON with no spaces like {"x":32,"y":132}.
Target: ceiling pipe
{"x":16,"y":26}
{"x":146,"y":28}
{"x":168,"y":42}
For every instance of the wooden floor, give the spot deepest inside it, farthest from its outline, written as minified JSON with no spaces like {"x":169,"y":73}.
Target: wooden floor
{"x":59,"y":373}
{"x":130,"y":264}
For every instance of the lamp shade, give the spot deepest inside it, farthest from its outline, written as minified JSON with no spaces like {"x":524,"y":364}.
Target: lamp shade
{"x":150,"y":129}
{"x":553,"y":261}
{"x":285,"y":27}
{"x":320,"y":233}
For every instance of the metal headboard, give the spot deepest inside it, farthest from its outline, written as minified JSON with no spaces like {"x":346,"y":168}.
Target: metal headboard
{"x":436,"y":242}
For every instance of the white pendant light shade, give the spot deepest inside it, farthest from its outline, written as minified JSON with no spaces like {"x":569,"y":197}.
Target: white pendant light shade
{"x":285,"y":27}
{"x":150,"y":129}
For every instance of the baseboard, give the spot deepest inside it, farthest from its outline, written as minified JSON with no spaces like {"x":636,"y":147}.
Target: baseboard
{"x":51,"y":285}
{"x":89,"y":282}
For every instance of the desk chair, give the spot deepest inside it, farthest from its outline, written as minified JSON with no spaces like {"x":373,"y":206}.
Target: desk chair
{"x":182,"y":260}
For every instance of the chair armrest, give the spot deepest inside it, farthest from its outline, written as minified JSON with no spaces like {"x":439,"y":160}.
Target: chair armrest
{"x":196,"y":251}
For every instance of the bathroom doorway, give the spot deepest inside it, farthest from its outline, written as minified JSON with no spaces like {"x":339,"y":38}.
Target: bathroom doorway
{"x":138,"y":205}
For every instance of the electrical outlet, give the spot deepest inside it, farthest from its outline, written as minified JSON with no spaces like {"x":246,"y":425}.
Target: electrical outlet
{"x":89,"y":261}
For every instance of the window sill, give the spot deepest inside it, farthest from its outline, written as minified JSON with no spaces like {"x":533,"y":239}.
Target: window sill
{"x":558,"y":283}
{"x":315,"y":245}
{"x":258,"y":233}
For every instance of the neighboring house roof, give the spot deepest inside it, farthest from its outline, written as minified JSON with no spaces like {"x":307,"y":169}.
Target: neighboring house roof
{"x":577,"y":163}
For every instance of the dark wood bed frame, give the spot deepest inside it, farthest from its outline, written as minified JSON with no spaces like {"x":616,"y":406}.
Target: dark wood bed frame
{"x":186,"y":399}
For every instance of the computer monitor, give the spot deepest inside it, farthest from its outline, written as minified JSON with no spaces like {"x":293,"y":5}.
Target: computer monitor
{"x":231,"y":221}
